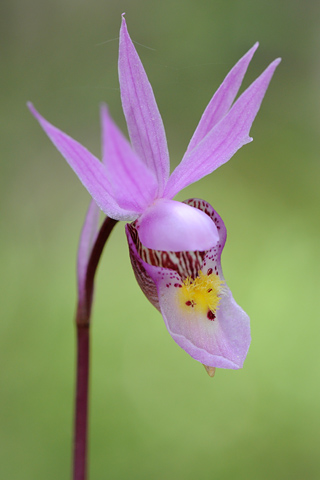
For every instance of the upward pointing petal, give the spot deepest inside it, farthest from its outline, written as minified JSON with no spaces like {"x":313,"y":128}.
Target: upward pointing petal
{"x":222,"y":142}
{"x":89,"y":169}
{"x":134,"y":186}
{"x":222,"y":100}
{"x":144,"y":122}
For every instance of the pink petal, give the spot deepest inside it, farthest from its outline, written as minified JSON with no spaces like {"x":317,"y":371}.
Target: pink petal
{"x":87,"y":239}
{"x":144,"y":122}
{"x":174,"y":226}
{"x":222,"y":100}
{"x":90,"y":170}
{"x":133,"y":185}
{"x":222,"y":142}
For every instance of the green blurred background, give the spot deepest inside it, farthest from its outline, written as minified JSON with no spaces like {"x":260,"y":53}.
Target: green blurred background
{"x":154,"y":413}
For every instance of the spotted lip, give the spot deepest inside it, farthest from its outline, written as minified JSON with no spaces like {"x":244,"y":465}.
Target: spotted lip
{"x":218,"y":338}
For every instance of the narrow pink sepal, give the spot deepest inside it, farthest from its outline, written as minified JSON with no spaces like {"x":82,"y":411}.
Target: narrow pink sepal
{"x":223,"y":98}
{"x":91,"y":172}
{"x":133,"y":185}
{"x":144,"y":122}
{"x":222,"y":142}
{"x":87,"y":239}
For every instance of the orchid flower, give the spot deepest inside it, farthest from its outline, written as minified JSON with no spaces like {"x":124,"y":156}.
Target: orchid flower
{"x":175,"y":247}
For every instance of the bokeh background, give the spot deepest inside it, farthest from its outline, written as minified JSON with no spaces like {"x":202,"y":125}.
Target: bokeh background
{"x":154,"y":413}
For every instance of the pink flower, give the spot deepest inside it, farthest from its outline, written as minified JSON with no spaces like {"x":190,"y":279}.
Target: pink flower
{"x":175,"y":247}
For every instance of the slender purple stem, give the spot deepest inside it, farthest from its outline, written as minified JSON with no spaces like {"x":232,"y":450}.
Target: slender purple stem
{"x":83,"y":355}
{"x":81,"y":412}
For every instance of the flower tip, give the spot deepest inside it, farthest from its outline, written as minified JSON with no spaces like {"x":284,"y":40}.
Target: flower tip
{"x":210,"y":370}
{"x":123,"y":29}
{"x":104,"y":107}
{"x":31,"y":107}
{"x":104,"y":113}
{"x":273,"y":65}
{"x":33,"y":111}
{"x":36,"y":114}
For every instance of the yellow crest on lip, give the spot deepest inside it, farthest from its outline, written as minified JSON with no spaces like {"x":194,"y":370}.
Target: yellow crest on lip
{"x":202,"y":294}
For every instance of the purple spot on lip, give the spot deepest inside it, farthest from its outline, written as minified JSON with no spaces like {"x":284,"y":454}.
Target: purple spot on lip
{"x":190,"y":303}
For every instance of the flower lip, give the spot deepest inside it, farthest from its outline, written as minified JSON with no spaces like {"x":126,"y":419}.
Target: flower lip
{"x":222,"y":341}
{"x":169,"y":225}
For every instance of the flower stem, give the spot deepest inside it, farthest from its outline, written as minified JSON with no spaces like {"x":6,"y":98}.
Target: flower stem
{"x":81,"y":407}
{"x":83,"y":349}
